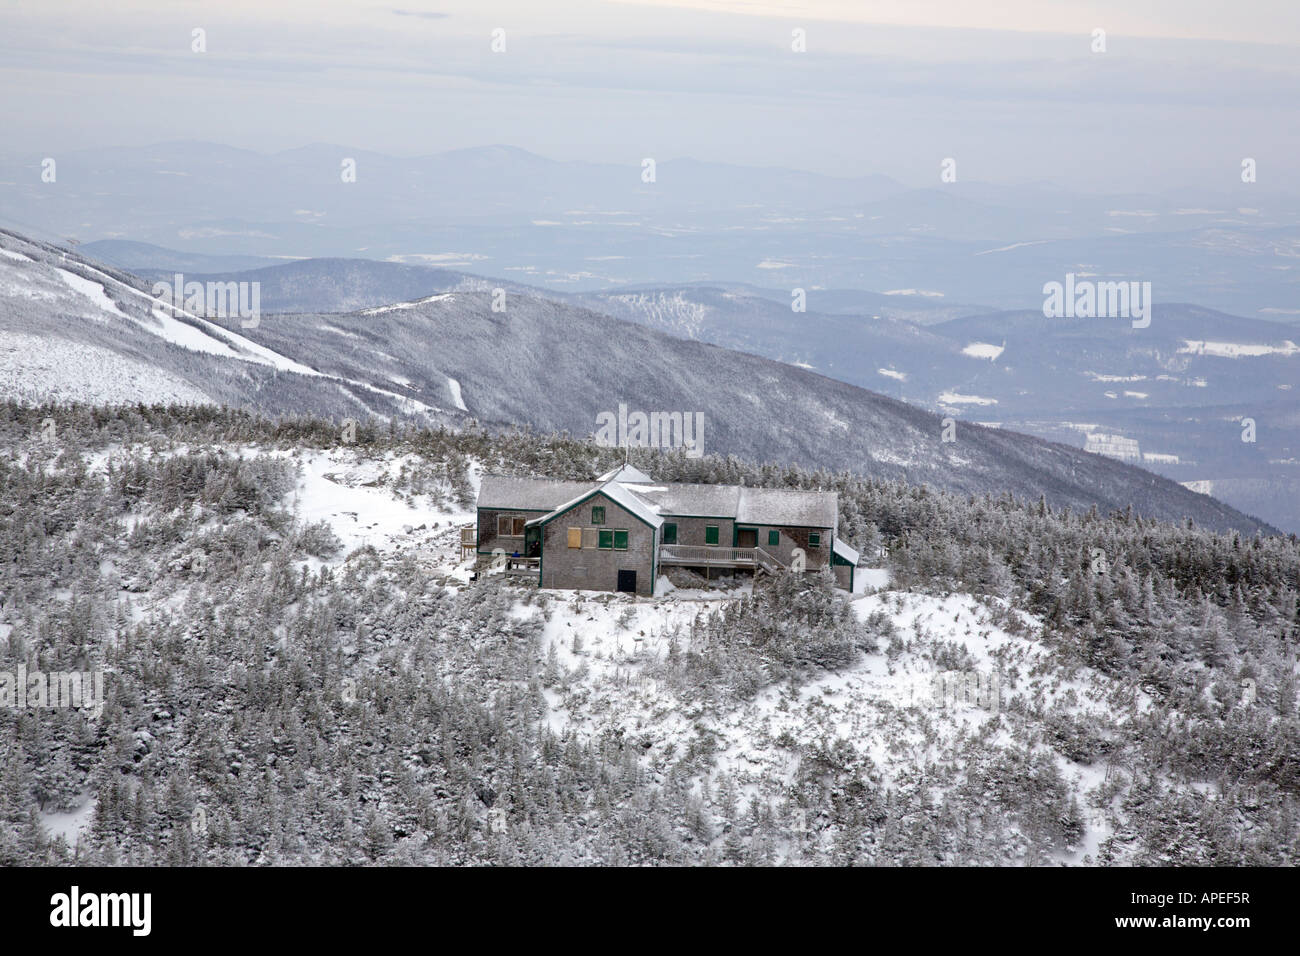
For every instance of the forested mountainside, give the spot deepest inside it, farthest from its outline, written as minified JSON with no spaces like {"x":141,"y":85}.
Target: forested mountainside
{"x":299,"y":669}
{"x":1170,"y":396}
{"x":72,"y":331}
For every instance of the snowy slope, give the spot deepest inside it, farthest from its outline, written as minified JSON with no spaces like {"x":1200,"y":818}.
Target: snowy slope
{"x":39,"y":369}
{"x":428,"y":359}
{"x":78,"y":331}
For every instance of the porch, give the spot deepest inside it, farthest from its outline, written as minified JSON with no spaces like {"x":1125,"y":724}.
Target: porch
{"x":715,"y":556}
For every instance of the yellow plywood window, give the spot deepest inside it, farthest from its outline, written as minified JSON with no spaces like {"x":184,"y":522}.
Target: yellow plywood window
{"x":575,"y":537}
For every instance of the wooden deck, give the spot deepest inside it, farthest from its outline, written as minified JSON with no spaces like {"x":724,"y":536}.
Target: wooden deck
{"x":714,"y":556}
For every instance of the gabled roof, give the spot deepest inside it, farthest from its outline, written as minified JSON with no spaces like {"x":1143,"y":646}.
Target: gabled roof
{"x":652,"y":502}
{"x":625,"y":497}
{"x":614,"y":492}
{"x":844,"y":552}
{"x":773,"y":506}
{"x":626,"y":474}
{"x":527,"y":494}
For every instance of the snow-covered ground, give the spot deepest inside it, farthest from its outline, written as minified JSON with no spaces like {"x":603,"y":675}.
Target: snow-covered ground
{"x":610,"y":649}
{"x":38,"y":369}
{"x":884,"y":704}
{"x":356,"y":498}
{"x":92,"y":291}
{"x":189,"y":337}
{"x":609,"y":652}
{"x":456,"y":398}
{"x":1235,"y":350}
{"x":956,"y":398}
{"x":983,"y":350}
{"x":72,"y":824}
{"x":400,"y":306}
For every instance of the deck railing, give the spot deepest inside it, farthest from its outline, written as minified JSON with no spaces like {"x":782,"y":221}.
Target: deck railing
{"x":712,"y":556}
{"x":704,"y":555}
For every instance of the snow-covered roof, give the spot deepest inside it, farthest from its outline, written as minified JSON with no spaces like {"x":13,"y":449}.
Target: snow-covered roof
{"x":763,"y":506}
{"x":770,"y":506}
{"x":844,"y":552}
{"x":624,"y":497}
{"x":626,"y":474}
{"x":528,"y":494}
{"x":616,"y":493}
{"x":786,"y":506}
{"x":682,"y":499}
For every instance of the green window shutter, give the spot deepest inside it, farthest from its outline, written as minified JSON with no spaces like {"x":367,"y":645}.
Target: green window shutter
{"x":710,"y":534}
{"x":606,"y":540}
{"x":598,"y":515}
{"x":814,"y":540}
{"x":773,"y":538}
{"x":670,"y":533}
{"x":620,"y":540}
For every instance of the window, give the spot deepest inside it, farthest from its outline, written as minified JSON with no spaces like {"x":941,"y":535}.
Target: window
{"x":606,"y":540}
{"x":575,"y":537}
{"x":710,"y":534}
{"x":510,"y":525}
{"x":773,"y":538}
{"x":589,"y":538}
{"x":670,"y":533}
{"x":814,"y":539}
{"x":620,"y":540}
{"x":598,"y":514}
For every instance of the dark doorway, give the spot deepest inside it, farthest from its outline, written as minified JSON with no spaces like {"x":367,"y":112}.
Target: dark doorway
{"x":533,"y":543}
{"x":747,"y":538}
{"x":627,"y":581}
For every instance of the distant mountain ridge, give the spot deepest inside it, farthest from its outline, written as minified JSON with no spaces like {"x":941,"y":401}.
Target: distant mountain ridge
{"x":141,"y":257}
{"x":1173,"y":393}
{"x":587,"y":226}
{"x":539,"y":363}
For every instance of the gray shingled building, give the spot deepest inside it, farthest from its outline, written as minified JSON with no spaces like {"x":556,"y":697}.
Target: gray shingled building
{"x":618,"y":532}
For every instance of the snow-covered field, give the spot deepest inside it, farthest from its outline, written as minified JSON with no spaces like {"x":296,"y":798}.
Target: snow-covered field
{"x":610,"y":648}
{"x":884,"y":706}
{"x":92,"y":291}
{"x":956,"y":398}
{"x":934,"y":698}
{"x":456,"y":397}
{"x":399,"y":306}
{"x":983,"y":350}
{"x":40,"y":368}
{"x":355,"y":497}
{"x":1235,"y":350}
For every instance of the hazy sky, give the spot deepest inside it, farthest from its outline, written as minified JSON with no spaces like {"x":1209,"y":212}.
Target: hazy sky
{"x":1011,"y":88}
